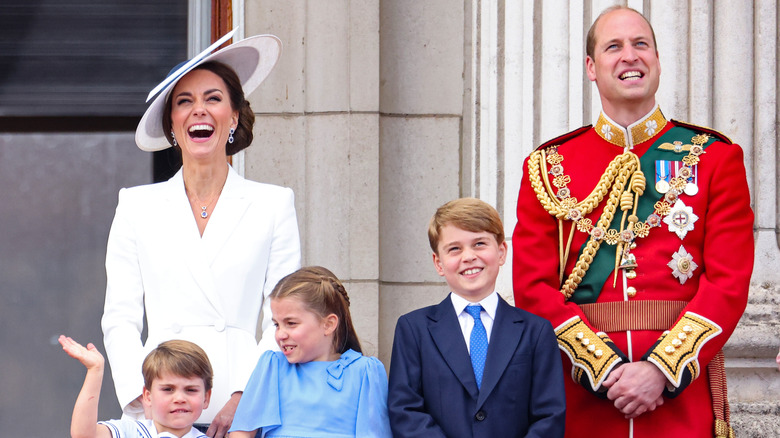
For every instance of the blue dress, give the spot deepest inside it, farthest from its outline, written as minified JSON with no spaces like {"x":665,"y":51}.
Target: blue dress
{"x":339,"y":399}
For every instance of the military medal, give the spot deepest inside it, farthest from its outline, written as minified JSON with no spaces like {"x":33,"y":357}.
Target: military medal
{"x":691,"y":187}
{"x":672,"y":179}
{"x":681,"y":219}
{"x":682,"y":265}
{"x":663,"y":175}
{"x":690,"y":175}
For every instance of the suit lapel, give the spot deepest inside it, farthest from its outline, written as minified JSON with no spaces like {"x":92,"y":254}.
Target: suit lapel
{"x":186,"y":236}
{"x":504,"y":338}
{"x":446,"y":333}
{"x":227,"y":214}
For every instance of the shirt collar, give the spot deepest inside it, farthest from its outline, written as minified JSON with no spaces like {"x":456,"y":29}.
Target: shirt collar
{"x":489,"y":304}
{"x":638,"y":132}
{"x":150,"y":427}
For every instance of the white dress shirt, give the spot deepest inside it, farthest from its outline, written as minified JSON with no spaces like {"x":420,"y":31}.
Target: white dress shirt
{"x":488,"y":314}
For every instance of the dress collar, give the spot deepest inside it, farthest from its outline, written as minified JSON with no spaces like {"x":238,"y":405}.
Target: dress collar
{"x":638,"y":132}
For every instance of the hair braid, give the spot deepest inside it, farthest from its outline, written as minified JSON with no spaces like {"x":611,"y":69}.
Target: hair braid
{"x":339,"y":288}
{"x":322,"y":293}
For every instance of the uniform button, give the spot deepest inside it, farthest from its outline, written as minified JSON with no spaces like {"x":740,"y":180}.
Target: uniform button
{"x":631,"y":291}
{"x":219,"y":325}
{"x":175,"y":327}
{"x":481,"y":415}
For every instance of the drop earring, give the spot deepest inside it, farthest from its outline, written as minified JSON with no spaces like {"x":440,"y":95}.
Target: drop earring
{"x":230,"y":139}
{"x":174,"y":138}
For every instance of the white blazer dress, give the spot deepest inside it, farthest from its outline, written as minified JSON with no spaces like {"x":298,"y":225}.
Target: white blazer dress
{"x":208,"y":290}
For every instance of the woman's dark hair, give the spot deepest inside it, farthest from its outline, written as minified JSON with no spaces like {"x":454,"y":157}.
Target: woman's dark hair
{"x":243,"y":136}
{"x":322,"y":293}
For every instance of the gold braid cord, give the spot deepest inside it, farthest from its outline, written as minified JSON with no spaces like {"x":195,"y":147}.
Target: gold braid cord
{"x":720,"y":399}
{"x":613,"y":182}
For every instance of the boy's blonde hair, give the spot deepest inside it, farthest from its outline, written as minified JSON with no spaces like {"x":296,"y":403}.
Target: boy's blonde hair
{"x":470,"y":214}
{"x":178,"y":357}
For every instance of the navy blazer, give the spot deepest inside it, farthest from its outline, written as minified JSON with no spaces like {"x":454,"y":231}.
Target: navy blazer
{"x":433,"y":392}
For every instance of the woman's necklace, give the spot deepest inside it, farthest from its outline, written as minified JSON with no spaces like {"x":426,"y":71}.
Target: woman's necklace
{"x":195,"y":199}
{"x":203,"y":213}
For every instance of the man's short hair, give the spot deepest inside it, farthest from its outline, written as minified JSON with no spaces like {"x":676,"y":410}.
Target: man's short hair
{"x":590,"y":41}
{"x":470,"y":214}
{"x":178,"y":357}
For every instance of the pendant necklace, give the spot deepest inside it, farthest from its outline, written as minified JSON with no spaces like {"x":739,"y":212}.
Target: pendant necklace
{"x":203,"y":213}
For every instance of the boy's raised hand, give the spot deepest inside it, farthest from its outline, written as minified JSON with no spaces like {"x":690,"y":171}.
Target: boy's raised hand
{"x":89,"y":356}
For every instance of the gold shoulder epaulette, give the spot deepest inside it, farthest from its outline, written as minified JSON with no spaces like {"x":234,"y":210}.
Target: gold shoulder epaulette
{"x":720,"y":136}
{"x":565,"y":137}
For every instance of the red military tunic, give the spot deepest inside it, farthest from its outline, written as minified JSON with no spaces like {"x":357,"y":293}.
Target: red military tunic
{"x":694,"y":268}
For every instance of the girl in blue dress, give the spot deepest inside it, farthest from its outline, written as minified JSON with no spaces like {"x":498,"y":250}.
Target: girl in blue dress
{"x":319,"y":385}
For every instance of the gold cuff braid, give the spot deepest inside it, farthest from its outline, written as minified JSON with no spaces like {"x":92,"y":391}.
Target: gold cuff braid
{"x":587,"y":350}
{"x":679,"y":347}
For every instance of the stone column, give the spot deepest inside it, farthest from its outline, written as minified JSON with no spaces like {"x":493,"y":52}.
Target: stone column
{"x":317,"y":131}
{"x":421,"y":102}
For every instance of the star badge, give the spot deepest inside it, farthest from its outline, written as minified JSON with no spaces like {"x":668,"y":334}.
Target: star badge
{"x":680,"y":219}
{"x":682,"y":265}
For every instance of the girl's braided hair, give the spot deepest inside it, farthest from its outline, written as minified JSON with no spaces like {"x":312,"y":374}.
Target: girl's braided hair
{"x":321,"y":292}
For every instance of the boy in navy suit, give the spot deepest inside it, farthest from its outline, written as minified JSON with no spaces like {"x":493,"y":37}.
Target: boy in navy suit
{"x":473,"y":366}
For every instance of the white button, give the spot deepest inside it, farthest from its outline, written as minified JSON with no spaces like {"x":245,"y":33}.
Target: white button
{"x":175,"y":327}
{"x":219,"y":325}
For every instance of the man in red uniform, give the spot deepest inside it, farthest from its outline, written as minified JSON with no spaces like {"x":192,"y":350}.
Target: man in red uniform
{"x":634,"y":238}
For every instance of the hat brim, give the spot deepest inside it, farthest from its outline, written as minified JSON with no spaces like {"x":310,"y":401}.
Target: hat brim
{"x":252,"y":59}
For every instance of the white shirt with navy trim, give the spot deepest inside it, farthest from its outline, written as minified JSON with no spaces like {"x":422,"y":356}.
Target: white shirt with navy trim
{"x":127,"y":428}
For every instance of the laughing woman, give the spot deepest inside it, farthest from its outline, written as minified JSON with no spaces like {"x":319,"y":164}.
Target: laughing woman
{"x":199,"y":254}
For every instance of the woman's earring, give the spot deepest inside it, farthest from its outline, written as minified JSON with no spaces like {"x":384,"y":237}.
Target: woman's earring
{"x":174,"y":138}
{"x":230,"y":139}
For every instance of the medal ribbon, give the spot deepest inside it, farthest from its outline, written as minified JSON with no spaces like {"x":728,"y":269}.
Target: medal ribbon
{"x":604,"y":261}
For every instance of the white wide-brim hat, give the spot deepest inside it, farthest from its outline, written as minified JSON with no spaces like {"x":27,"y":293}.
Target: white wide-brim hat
{"x":252,"y":59}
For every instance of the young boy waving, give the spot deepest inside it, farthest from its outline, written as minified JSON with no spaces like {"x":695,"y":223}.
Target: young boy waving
{"x":177,"y":387}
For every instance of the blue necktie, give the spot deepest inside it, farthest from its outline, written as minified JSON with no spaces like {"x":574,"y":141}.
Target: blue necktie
{"x":478,"y":344}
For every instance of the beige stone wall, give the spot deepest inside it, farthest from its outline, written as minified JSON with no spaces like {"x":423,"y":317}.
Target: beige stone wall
{"x":317,"y":131}
{"x":380,"y":111}
{"x":367,"y":131}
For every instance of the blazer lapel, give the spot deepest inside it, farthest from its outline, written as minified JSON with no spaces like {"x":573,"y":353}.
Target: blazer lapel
{"x":186,"y":236}
{"x":227,"y":214}
{"x":504,"y":338}
{"x":446,"y":333}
